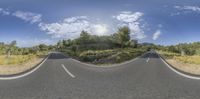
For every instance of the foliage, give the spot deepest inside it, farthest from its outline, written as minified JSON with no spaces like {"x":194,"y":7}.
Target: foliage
{"x":183,"y":48}
{"x":87,"y":41}
{"x":12,"y":49}
{"x":122,"y":36}
{"x":16,"y":59}
{"x":110,"y":56}
{"x":168,"y":55}
{"x":90,"y":55}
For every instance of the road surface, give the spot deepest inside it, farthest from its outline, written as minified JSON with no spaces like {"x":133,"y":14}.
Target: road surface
{"x":63,"y":78}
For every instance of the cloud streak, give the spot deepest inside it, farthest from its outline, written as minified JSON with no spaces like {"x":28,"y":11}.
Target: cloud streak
{"x":28,"y":16}
{"x":186,"y":9}
{"x":156,"y":35}
{"x":189,"y":8}
{"x":4,"y":11}
{"x":71,"y":27}
{"x":132,"y":20}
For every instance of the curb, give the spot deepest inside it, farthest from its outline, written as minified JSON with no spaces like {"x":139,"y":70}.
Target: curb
{"x":24,"y":73}
{"x":178,"y":71}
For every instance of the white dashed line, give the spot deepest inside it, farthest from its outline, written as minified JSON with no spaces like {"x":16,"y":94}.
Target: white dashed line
{"x":66,"y":70}
{"x":147,"y":59}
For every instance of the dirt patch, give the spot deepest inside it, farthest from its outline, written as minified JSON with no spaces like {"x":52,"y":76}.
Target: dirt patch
{"x":190,"y":68}
{"x":14,"y":69}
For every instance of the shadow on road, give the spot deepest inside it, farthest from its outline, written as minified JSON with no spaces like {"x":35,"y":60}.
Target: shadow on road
{"x":151,"y":55}
{"x":57,"y":56}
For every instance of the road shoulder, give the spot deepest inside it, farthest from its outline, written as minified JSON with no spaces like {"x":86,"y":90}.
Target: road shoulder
{"x":179,"y":71}
{"x":26,"y":72}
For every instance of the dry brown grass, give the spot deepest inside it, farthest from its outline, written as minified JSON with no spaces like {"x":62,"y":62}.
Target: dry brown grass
{"x":186,"y":67}
{"x":17,"y":68}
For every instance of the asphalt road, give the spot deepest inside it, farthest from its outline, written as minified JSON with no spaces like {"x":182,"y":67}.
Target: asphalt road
{"x":63,"y":78}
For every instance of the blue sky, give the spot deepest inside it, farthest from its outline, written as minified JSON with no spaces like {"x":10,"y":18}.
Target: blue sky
{"x":165,"y":22}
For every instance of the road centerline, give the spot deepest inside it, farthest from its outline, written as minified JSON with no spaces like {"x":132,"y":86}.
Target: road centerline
{"x":67,"y":71}
{"x":147,"y":59}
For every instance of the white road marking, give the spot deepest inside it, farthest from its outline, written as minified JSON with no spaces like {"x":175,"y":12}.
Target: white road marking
{"x":177,"y":72}
{"x":66,"y":70}
{"x":25,"y":74}
{"x":147,"y":59}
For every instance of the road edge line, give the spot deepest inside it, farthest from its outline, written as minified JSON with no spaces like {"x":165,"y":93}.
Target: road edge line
{"x":177,"y":71}
{"x":26,"y":73}
{"x":67,"y":71}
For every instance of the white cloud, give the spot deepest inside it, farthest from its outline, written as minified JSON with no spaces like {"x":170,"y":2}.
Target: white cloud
{"x":72,"y":27}
{"x":28,"y":16}
{"x":185,"y":10}
{"x":100,"y":29}
{"x":156,"y":35}
{"x":4,"y":11}
{"x":189,"y":8}
{"x":34,"y":42}
{"x":132,"y":20}
{"x":129,"y":17}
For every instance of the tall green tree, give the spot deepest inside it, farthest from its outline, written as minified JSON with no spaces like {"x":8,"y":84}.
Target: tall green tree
{"x":123,"y":35}
{"x":10,"y":48}
{"x":84,"y":38}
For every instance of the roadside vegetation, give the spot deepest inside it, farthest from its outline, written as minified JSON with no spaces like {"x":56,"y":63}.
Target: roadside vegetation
{"x":115,"y":48}
{"x":186,"y":53}
{"x":185,"y":57}
{"x":110,"y":49}
{"x":10,"y":54}
{"x":15,"y":59}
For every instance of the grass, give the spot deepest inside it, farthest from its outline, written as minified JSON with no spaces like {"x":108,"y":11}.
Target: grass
{"x":16,"y":59}
{"x":188,"y":59}
{"x":168,"y":55}
{"x":195,"y":59}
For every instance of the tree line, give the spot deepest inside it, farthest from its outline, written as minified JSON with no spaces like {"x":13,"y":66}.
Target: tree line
{"x":183,"y":48}
{"x":86,"y":41}
{"x":13,"y":49}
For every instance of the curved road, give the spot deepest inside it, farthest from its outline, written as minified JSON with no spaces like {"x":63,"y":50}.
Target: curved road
{"x":63,"y":78}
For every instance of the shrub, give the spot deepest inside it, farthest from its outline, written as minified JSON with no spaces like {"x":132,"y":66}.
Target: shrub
{"x":168,"y":55}
{"x":90,"y":55}
{"x":110,"y":56}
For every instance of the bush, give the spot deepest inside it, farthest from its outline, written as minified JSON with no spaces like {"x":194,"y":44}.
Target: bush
{"x":110,"y":56}
{"x":168,"y":55}
{"x":90,"y":55}
{"x":127,"y":54}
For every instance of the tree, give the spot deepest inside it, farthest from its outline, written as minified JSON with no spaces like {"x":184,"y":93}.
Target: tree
{"x":84,"y":38}
{"x":123,"y":35}
{"x":59,"y":45}
{"x":131,"y":43}
{"x":11,"y":48}
{"x":43,"y":47}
